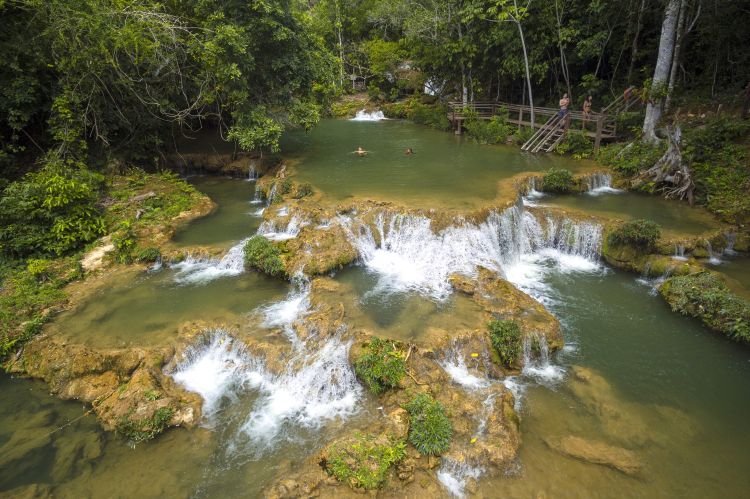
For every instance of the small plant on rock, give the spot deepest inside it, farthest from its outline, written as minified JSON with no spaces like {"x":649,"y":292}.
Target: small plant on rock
{"x":382,"y":366}
{"x":148,"y":255}
{"x":641,"y":234}
{"x":506,"y":340}
{"x":364,"y":463}
{"x":263,"y":255}
{"x":430,"y":429}
{"x":146,"y":429}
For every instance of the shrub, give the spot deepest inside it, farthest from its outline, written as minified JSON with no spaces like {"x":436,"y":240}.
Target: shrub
{"x":435,"y":116}
{"x":704,"y":295}
{"x":506,"y":340}
{"x":641,"y":234}
{"x":382,"y":366}
{"x":577,"y":144}
{"x":493,"y":131}
{"x":124,"y":241}
{"x":263,"y":255}
{"x":51,"y":212}
{"x":631,"y":158}
{"x":364,"y":463}
{"x":557,"y":180}
{"x":145,"y":429}
{"x":148,"y":255}
{"x":522,"y":134}
{"x":303,"y":190}
{"x":430,"y":429}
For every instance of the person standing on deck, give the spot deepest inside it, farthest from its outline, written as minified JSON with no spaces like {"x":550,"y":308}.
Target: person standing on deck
{"x":563,"y":112}
{"x":586,"y":111}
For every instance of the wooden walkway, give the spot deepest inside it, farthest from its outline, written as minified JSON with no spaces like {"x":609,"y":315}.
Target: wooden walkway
{"x":599,"y":126}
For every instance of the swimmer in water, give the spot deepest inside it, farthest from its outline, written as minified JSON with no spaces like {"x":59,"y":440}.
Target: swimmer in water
{"x":360,"y":152}
{"x":409,"y":151}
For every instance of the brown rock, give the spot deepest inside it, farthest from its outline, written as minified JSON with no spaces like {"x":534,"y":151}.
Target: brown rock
{"x":597,"y":453}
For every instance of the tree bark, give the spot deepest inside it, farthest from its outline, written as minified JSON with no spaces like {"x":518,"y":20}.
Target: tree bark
{"x":676,"y":56}
{"x":634,"y":47}
{"x":563,"y":59}
{"x":661,"y":71}
{"x":526,"y":64}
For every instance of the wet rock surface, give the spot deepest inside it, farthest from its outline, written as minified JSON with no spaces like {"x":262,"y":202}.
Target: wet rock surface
{"x":596,"y":452}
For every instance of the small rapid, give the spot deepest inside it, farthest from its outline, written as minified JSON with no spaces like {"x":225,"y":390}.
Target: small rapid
{"x":363,"y":115}
{"x":193,"y":270}
{"x":600,"y":183}
{"x":278,"y":232}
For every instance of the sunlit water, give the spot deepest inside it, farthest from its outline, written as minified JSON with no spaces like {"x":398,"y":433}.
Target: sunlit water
{"x":682,"y":390}
{"x":445,"y":170}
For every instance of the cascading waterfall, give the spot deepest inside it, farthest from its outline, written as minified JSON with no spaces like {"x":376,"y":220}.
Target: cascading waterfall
{"x":532,"y":195}
{"x":455,"y":365}
{"x":408,"y":256}
{"x":270,"y":230}
{"x":258,"y":199}
{"x":539,"y":367}
{"x":271,"y":195}
{"x":284,"y":313}
{"x":454,"y":475}
{"x":363,"y":115}
{"x":600,"y":183}
{"x":319,"y":386}
{"x":252,"y":175}
{"x":731,"y":239}
{"x":679,"y":252}
{"x":201,"y":270}
{"x":713,"y":257}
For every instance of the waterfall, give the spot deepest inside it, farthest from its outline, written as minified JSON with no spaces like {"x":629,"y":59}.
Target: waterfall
{"x":271,"y":195}
{"x":713,"y":258}
{"x":454,"y":475}
{"x":317,"y":386}
{"x":258,"y":199}
{"x":600,"y":183}
{"x":284,"y":313}
{"x":406,"y":255}
{"x":532,"y":195}
{"x":455,"y":365}
{"x":539,"y":367}
{"x":731,"y":239}
{"x":679,"y":252}
{"x":270,"y":230}
{"x":252,"y":175}
{"x":202,"y":270}
{"x":363,"y":115}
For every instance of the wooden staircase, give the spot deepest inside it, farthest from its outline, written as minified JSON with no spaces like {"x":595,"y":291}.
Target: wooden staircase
{"x":546,"y":138}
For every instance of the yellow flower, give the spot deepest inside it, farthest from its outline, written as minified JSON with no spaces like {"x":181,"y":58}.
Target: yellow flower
{"x":474,"y":355}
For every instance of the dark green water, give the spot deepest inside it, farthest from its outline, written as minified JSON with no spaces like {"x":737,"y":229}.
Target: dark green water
{"x":446,"y":170}
{"x":674,"y":217}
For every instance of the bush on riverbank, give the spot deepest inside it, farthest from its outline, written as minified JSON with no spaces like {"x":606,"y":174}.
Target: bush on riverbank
{"x":364,"y":462}
{"x":558,"y":180}
{"x":261,"y":254}
{"x":432,"y":115}
{"x":641,"y":234}
{"x":506,"y":340}
{"x":382,"y":366}
{"x":705,"y":296}
{"x":492,"y":131}
{"x":430,"y":429}
{"x":577,"y":144}
{"x":629,"y":159}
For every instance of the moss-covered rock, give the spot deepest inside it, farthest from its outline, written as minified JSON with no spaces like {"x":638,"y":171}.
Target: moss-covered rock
{"x":705,"y":295}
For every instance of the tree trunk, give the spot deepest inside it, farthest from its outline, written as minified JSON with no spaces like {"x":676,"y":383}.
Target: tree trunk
{"x":661,"y":71}
{"x":634,"y":47}
{"x":563,"y":59}
{"x":526,"y":64}
{"x":676,"y":56}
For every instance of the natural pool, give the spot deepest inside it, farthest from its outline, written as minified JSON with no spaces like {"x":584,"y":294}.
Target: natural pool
{"x":445,"y":170}
{"x":660,"y":385}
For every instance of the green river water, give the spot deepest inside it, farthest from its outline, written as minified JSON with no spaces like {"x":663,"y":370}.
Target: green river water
{"x":680,"y":393}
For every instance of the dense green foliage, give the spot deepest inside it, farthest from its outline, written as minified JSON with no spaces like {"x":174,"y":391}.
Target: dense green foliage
{"x":263,"y":255}
{"x":430,"y":429}
{"x":577,"y":144}
{"x":507,"y":340}
{"x":29,"y":296}
{"x":146,"y":429}
{"x":629,"y":159}
{"x":704,"y":295}
{"x":434,"y":115}
{"x":641,"y":234}
{"x":557,"y":180}
{"x":364,"y":462}
{"x":492,"y":131}
{"x":382,"y":366}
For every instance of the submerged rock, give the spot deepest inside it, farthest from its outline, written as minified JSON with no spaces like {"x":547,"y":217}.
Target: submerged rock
{"x":596,"y":452}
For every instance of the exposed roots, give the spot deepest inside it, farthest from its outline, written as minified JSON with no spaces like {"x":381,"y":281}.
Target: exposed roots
{"x":672,"y":176}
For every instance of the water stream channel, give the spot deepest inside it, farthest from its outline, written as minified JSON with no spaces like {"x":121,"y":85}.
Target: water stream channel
{"x":632,"y":373}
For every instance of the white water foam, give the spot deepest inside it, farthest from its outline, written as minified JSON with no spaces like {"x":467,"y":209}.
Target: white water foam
{"x":408,"y":256}
{"x":284,"y":313}
{"x":272,"y":232}
{"x":363,"y":115}
{"x":202,"y":270}
{"x":540,"y":368}
{"x":455,"y":365}
{"x":454,"y":476}
{"x":319,"y":386}
{"x":601,"y":183}
{"x":532,"y":195}
{"x":213,"y":368}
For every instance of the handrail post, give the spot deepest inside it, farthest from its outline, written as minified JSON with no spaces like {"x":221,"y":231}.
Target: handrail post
{"x":599,"y":127}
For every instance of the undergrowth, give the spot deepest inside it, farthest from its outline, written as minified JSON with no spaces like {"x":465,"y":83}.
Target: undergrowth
{"x":382,"y":366}
{"x":430,"y":429}
{"x":364,"y":462}
{"x":506,"y":339}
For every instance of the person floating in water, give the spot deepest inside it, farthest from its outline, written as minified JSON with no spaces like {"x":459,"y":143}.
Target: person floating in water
{"x":360,"y":152}
{"x":409,"y":151}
